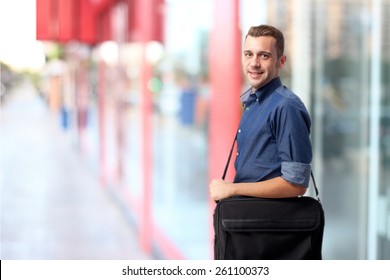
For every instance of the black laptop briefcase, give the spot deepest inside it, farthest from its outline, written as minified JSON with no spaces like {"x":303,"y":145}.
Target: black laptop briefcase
{"x":268,"y":229}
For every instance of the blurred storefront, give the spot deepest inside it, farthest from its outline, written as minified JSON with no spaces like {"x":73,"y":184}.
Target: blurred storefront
{"x":152,"y":99}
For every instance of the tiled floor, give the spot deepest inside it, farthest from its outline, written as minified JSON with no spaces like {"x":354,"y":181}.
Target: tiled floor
{"x":52,"y":206}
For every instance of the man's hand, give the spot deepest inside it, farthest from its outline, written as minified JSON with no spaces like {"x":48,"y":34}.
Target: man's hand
{"x":220,"y":189}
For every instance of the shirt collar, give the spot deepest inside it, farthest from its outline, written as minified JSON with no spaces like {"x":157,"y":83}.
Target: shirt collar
{"x":261,"y":92}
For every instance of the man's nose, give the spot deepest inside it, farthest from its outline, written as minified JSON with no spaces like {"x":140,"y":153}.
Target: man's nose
{"x":255,"y":61}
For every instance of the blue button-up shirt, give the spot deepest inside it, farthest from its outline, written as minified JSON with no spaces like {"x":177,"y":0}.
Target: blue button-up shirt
{"x":273,"y":136}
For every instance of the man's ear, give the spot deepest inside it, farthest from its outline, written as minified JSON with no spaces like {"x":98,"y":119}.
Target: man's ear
{"x":282,"y":61}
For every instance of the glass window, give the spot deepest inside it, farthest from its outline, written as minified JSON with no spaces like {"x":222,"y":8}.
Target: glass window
{"x":384,"y":134}
{"x":180,"y":125}
{"x":341,"y":90}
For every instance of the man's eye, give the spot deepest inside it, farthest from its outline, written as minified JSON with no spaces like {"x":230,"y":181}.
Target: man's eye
{"x":247,"y":54}
{"x":265,"y":56}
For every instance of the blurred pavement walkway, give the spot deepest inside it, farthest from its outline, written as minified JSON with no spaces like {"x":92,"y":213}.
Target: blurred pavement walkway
{"x":52,"y":206}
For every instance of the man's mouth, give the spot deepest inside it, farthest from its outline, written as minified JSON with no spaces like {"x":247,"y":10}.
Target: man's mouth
{"x":255,"y":73}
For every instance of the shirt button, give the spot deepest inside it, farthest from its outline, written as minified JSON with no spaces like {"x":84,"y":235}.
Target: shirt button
{"x":238,"y":153}
{"x":239,"y":131}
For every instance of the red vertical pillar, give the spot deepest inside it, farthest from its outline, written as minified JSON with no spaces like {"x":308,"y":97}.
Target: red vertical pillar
{"x":145,"y":23}
{"x":225,"y":76}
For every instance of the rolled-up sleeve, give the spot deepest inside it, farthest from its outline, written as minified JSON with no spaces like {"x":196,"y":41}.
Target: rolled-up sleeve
{"x":294,"y":146}
{"x":296,"y":173}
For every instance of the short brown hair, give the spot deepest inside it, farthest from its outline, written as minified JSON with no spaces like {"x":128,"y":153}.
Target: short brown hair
{"x":268,"y":30}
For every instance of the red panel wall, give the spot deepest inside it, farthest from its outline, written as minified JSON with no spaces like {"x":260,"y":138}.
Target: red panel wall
{"x":158,"y":15}
{"x":44,"y":21}
{"x":225,"y":76}
{"x":137,"y":20}
{"x":67,"y":20}
{"x":131,"y":20}
{"x":87,"y":22}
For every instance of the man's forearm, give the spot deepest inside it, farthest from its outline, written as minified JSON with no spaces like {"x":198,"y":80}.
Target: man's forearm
{"x":273,"y":188}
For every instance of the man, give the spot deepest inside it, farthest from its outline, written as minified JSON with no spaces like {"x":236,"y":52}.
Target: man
{"x":273,"y":144}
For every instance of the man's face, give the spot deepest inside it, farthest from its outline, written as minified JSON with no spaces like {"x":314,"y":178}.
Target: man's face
{"x":259,"y":61}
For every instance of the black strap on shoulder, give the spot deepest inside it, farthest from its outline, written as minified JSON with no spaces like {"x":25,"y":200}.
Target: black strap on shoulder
{"x":229,"y":158}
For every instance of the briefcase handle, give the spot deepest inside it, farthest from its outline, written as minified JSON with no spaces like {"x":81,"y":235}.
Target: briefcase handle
{"x":230,"y":156}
